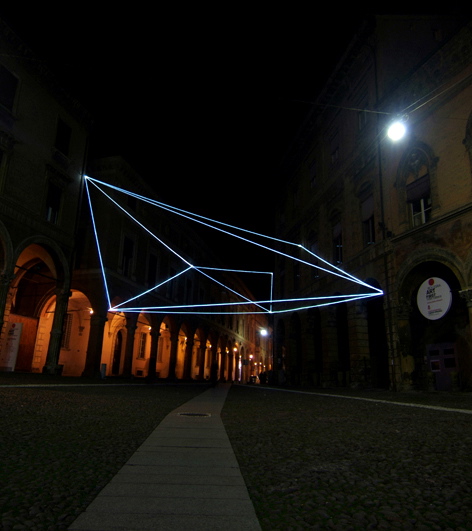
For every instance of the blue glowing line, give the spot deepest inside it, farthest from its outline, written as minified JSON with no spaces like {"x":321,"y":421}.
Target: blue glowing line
{"x":142,"y":226}
{"x":98,"y":245}
{"x":227,"y":287}
{"x":151,"y":289}
{"x":192,"y":217}
{"x":165,"y":245}
{"x":354,"y":279}
{"x":342,"y":298}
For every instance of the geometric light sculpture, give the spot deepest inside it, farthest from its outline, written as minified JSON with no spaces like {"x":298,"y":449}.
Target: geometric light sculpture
{"x":242,"y":305}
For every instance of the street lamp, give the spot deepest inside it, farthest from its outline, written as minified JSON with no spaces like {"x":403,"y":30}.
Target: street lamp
{"x":397,"y":129}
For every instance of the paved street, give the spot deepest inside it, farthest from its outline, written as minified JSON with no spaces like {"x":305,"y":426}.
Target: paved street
{"x":332,"y":460}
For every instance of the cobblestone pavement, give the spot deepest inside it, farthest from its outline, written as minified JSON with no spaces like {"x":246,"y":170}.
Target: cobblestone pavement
{"x":355,"y":460}
{"x":333,"y":460}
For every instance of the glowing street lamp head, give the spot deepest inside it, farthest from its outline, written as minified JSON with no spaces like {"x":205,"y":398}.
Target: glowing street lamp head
{"x":397,"y":130}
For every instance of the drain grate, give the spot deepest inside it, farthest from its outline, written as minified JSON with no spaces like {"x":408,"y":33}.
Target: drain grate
{"x":195,"y":414}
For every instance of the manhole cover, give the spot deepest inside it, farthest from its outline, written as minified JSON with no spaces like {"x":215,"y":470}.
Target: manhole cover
{"x":195,"y":414}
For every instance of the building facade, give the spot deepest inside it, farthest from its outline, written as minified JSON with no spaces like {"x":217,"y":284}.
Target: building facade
{"x":43,"y":144}
{"x":395,"y":215}
{"x":56,"y":289}
{"x":170,"y":321}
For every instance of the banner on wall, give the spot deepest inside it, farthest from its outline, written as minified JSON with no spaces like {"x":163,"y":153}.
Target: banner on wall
{"x":434,"y":298}
{"x":9,"y":352}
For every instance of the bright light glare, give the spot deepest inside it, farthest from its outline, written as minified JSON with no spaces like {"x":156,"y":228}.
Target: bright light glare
{"x":253,"y":307}
{"x":396,"y":131}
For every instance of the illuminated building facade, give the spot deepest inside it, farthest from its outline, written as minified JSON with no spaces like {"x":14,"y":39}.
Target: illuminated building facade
{"x":396,"y":215}
{"x":54,"y":308}
{"x":43,"y":139}
{"x":145,"y":270}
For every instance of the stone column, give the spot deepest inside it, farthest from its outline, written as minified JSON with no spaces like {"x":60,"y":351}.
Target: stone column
{"x":131,"y":327}
{"x":467,"y":295}
{"x":54,"y":349}
{"x":224,"y":357}
{"x":174,"y":345}
{"x":94,"y":346}
{"x":201,"y":368}
{"x":5,"y":281}
{"x":151,"y":375}
{"x":230,"y":367}
{"x":188,"y":359}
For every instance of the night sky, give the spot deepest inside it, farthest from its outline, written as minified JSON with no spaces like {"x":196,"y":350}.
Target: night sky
{"x":195,"y":100}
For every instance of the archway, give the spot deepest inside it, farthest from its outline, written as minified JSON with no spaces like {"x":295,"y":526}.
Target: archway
{"x":74,"y":336}
{"x":438,"y":345}
{"x":38,"y":274}
{"x":117,"y":353}
{"x":163,"y":350}
{"x":142,"y":346}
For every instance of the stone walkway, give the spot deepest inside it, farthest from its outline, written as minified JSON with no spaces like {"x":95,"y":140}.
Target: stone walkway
{"x":184,"y":476}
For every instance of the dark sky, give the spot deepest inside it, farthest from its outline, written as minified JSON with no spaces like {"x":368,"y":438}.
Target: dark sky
{"x":202,"y":104}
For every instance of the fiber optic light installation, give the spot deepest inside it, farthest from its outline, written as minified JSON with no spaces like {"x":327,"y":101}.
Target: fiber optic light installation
{"x":244,"y":304}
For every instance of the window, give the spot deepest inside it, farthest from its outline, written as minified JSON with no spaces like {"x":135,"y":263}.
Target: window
{"x":53,"y":202}
{"x":368,"y":226}
{"x":8,"y":87}
{"x":63,"y":136}
{"x":337,"y":244}
{"x":127,"y":256}
{"x":418,"y":196}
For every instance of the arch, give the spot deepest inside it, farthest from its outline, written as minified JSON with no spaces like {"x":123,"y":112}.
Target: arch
{"x":422,"y":256}
{"x":163,"y":349}
{"x":423,"y":336}
{"x":142,"y":346}
{"x":114,"y":343}
{"x":49,"y":252}
{"x":40,"y":274}
{"x":184,"y":335}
